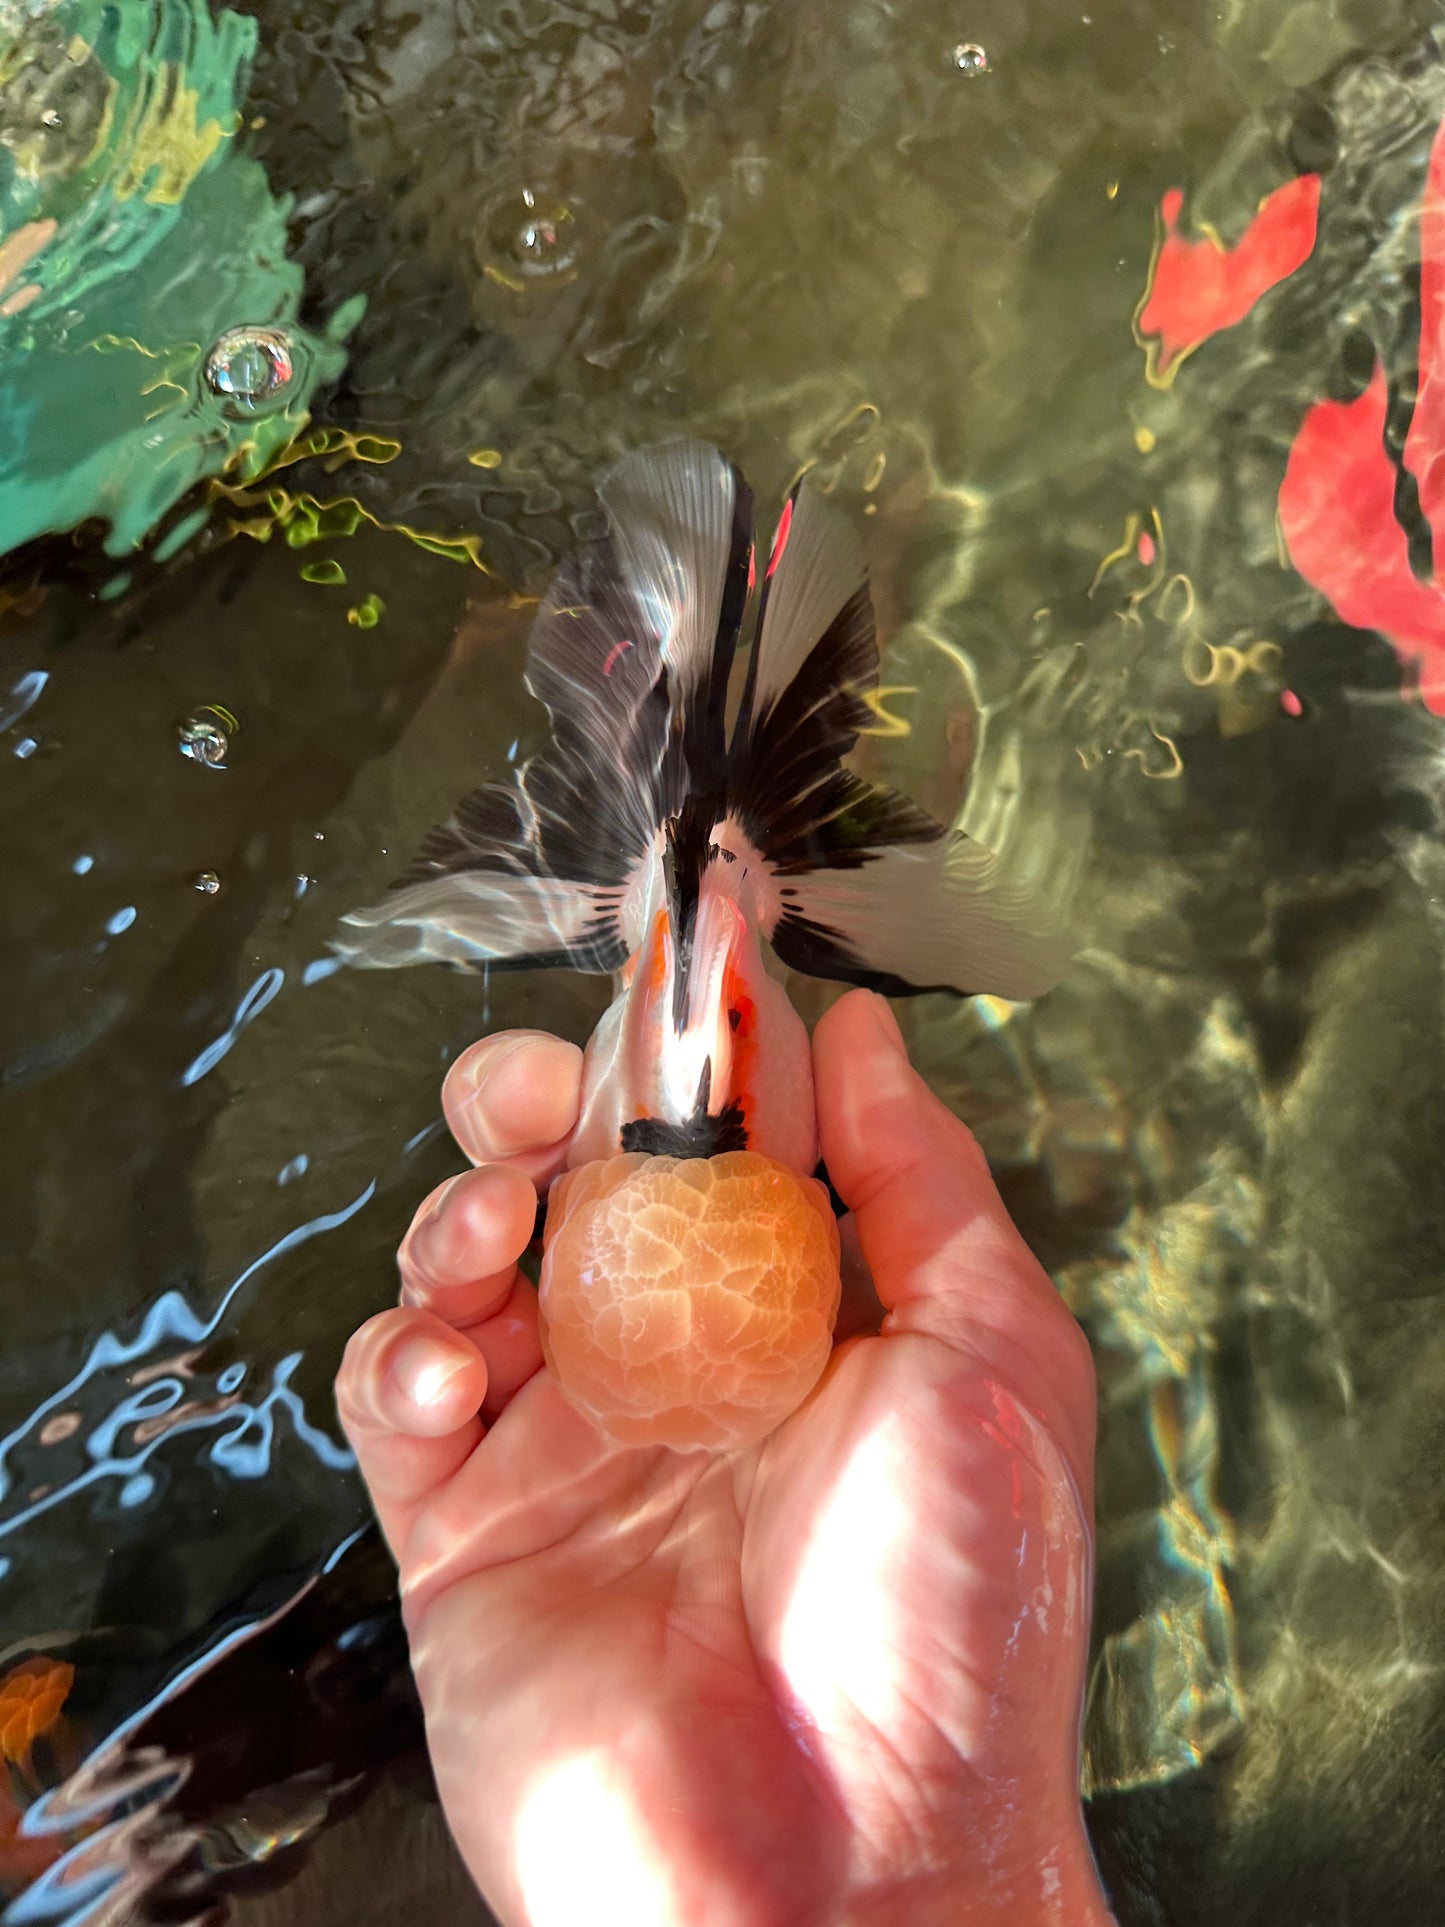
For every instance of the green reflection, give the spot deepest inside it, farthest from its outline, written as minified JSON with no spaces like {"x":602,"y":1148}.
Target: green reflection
{"x":138,"y":238}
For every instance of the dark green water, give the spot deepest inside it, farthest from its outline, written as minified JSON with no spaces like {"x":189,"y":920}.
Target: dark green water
{"x":806,"y":232}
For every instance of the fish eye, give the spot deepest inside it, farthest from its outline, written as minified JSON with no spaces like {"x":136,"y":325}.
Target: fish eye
{"x":735,"y":1017}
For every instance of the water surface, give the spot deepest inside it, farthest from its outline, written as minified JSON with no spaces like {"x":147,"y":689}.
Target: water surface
{"x":505,"y":242}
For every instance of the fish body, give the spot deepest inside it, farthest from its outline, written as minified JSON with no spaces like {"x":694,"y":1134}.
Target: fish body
{"x":654,"y":840}
{"x":731,"y":1069}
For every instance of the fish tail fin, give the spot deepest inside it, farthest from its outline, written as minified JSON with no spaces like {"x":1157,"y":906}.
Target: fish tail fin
{"x":630,"y":652}
{"x":871,"y":889}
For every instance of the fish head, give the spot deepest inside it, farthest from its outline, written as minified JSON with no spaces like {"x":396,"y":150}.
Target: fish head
{"x":702,"y":1051}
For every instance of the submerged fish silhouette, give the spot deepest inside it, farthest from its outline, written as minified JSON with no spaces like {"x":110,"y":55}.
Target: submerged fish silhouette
{"x":649,"y":840}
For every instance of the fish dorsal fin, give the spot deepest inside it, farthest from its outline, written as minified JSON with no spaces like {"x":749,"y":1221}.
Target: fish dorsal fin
{"x":814,"y":660}
{"x":630,"y":652}
{"x":688,"y":849}
{"x":681,"y":521}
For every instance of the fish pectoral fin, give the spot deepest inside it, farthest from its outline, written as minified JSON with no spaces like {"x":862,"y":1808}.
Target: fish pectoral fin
{"x":938,"y":915}
{"x":469,"y":918}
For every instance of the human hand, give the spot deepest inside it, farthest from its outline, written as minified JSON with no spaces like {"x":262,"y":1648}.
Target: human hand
{"x":833,"y":1678}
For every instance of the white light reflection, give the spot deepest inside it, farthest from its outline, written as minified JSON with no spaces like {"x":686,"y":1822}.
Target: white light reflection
{"x":582,"y":1854}
{"x":244,"y":1446}
{"x":250,"y":1007}
{"x":840,"y":1665}
{"x":116,"y":1861}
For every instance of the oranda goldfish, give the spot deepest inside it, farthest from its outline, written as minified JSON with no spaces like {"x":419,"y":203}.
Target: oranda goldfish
{"x":650,"y":840}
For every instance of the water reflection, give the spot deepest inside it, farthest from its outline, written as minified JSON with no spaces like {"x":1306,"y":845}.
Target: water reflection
{"x":799,"y":233}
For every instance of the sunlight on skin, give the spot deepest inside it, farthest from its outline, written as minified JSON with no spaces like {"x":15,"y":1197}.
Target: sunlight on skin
{"x":940,"y":1598}
{"x":582,"y":1855}
{"x":834,"y":1678}
{"x":841,"y":1664}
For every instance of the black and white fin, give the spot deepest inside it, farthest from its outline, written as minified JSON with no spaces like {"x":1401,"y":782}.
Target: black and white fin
{"x":630,"y":652}
{"x":872,"y":890}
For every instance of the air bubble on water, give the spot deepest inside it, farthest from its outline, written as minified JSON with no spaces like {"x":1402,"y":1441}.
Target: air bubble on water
{"x":83,"y":865}
{"x":970,"y":59}
{"x":26,"y":748}
{"x":207,"y":882}
{"x":293,"y":1168}
{"x":528,"y":237}
{"x":121,"y":921}
{"x":251,"y":370}
{"x":206,"y":737}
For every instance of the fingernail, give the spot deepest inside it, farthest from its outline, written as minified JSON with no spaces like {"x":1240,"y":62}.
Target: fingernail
{"x":424,"y":1367}
{"x":545,"y":1071}
{"x":465,"y":1082}
{"x":887,"y":1023}
{"x":428,"y":1241}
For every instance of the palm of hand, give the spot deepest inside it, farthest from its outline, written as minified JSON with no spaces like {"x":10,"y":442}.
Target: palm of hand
{"x":823,"y":1678}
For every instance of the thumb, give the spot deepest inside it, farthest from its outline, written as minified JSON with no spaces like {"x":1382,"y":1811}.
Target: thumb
{"x":946,"y":1258}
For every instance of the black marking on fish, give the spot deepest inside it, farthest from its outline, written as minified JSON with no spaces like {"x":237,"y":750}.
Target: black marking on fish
{"x":687,"y":851}
{"x":703,"y":1135}
{"x":700,"y":1137}
{"x":797,"y":803}
{"x":636,"y":690}
{"x":704,"y":722}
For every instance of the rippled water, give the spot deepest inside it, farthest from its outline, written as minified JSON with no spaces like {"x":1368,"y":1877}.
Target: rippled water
{"x":904,"y":244}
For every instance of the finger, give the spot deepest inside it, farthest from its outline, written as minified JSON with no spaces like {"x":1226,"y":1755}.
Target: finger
{"x":408,"y":1394}
{"x":459,"y":1256}
{"x":945,"y":1256}
{"x":514,"y":1098}
{"x":512,"y":1347}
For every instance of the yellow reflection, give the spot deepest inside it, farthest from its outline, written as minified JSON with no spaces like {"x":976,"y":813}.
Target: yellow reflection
{"x":888,"y":725}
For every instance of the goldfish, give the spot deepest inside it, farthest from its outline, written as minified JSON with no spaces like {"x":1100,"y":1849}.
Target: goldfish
{"x":651,"y":840}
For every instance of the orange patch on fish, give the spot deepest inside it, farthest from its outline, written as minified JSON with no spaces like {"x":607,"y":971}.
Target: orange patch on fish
{"x":657,"y":970}
{"x":1197,"y":288}
{"x":743,"y":1023}
{"x":31,"y":1696}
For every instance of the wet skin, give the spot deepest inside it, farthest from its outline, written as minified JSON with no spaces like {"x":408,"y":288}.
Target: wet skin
{"x":834,"y":1678}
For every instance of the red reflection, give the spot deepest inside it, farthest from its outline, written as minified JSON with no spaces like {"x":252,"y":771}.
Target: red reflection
{"x":1425,"y":443}
{"x":1198,"y":287}
{"x":1337,"y":511}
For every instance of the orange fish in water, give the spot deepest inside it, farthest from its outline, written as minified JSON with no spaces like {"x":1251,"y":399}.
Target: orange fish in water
{"x":1196,"y":288}
{"x":650,"y":840}
{"x":31,"y":1696}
